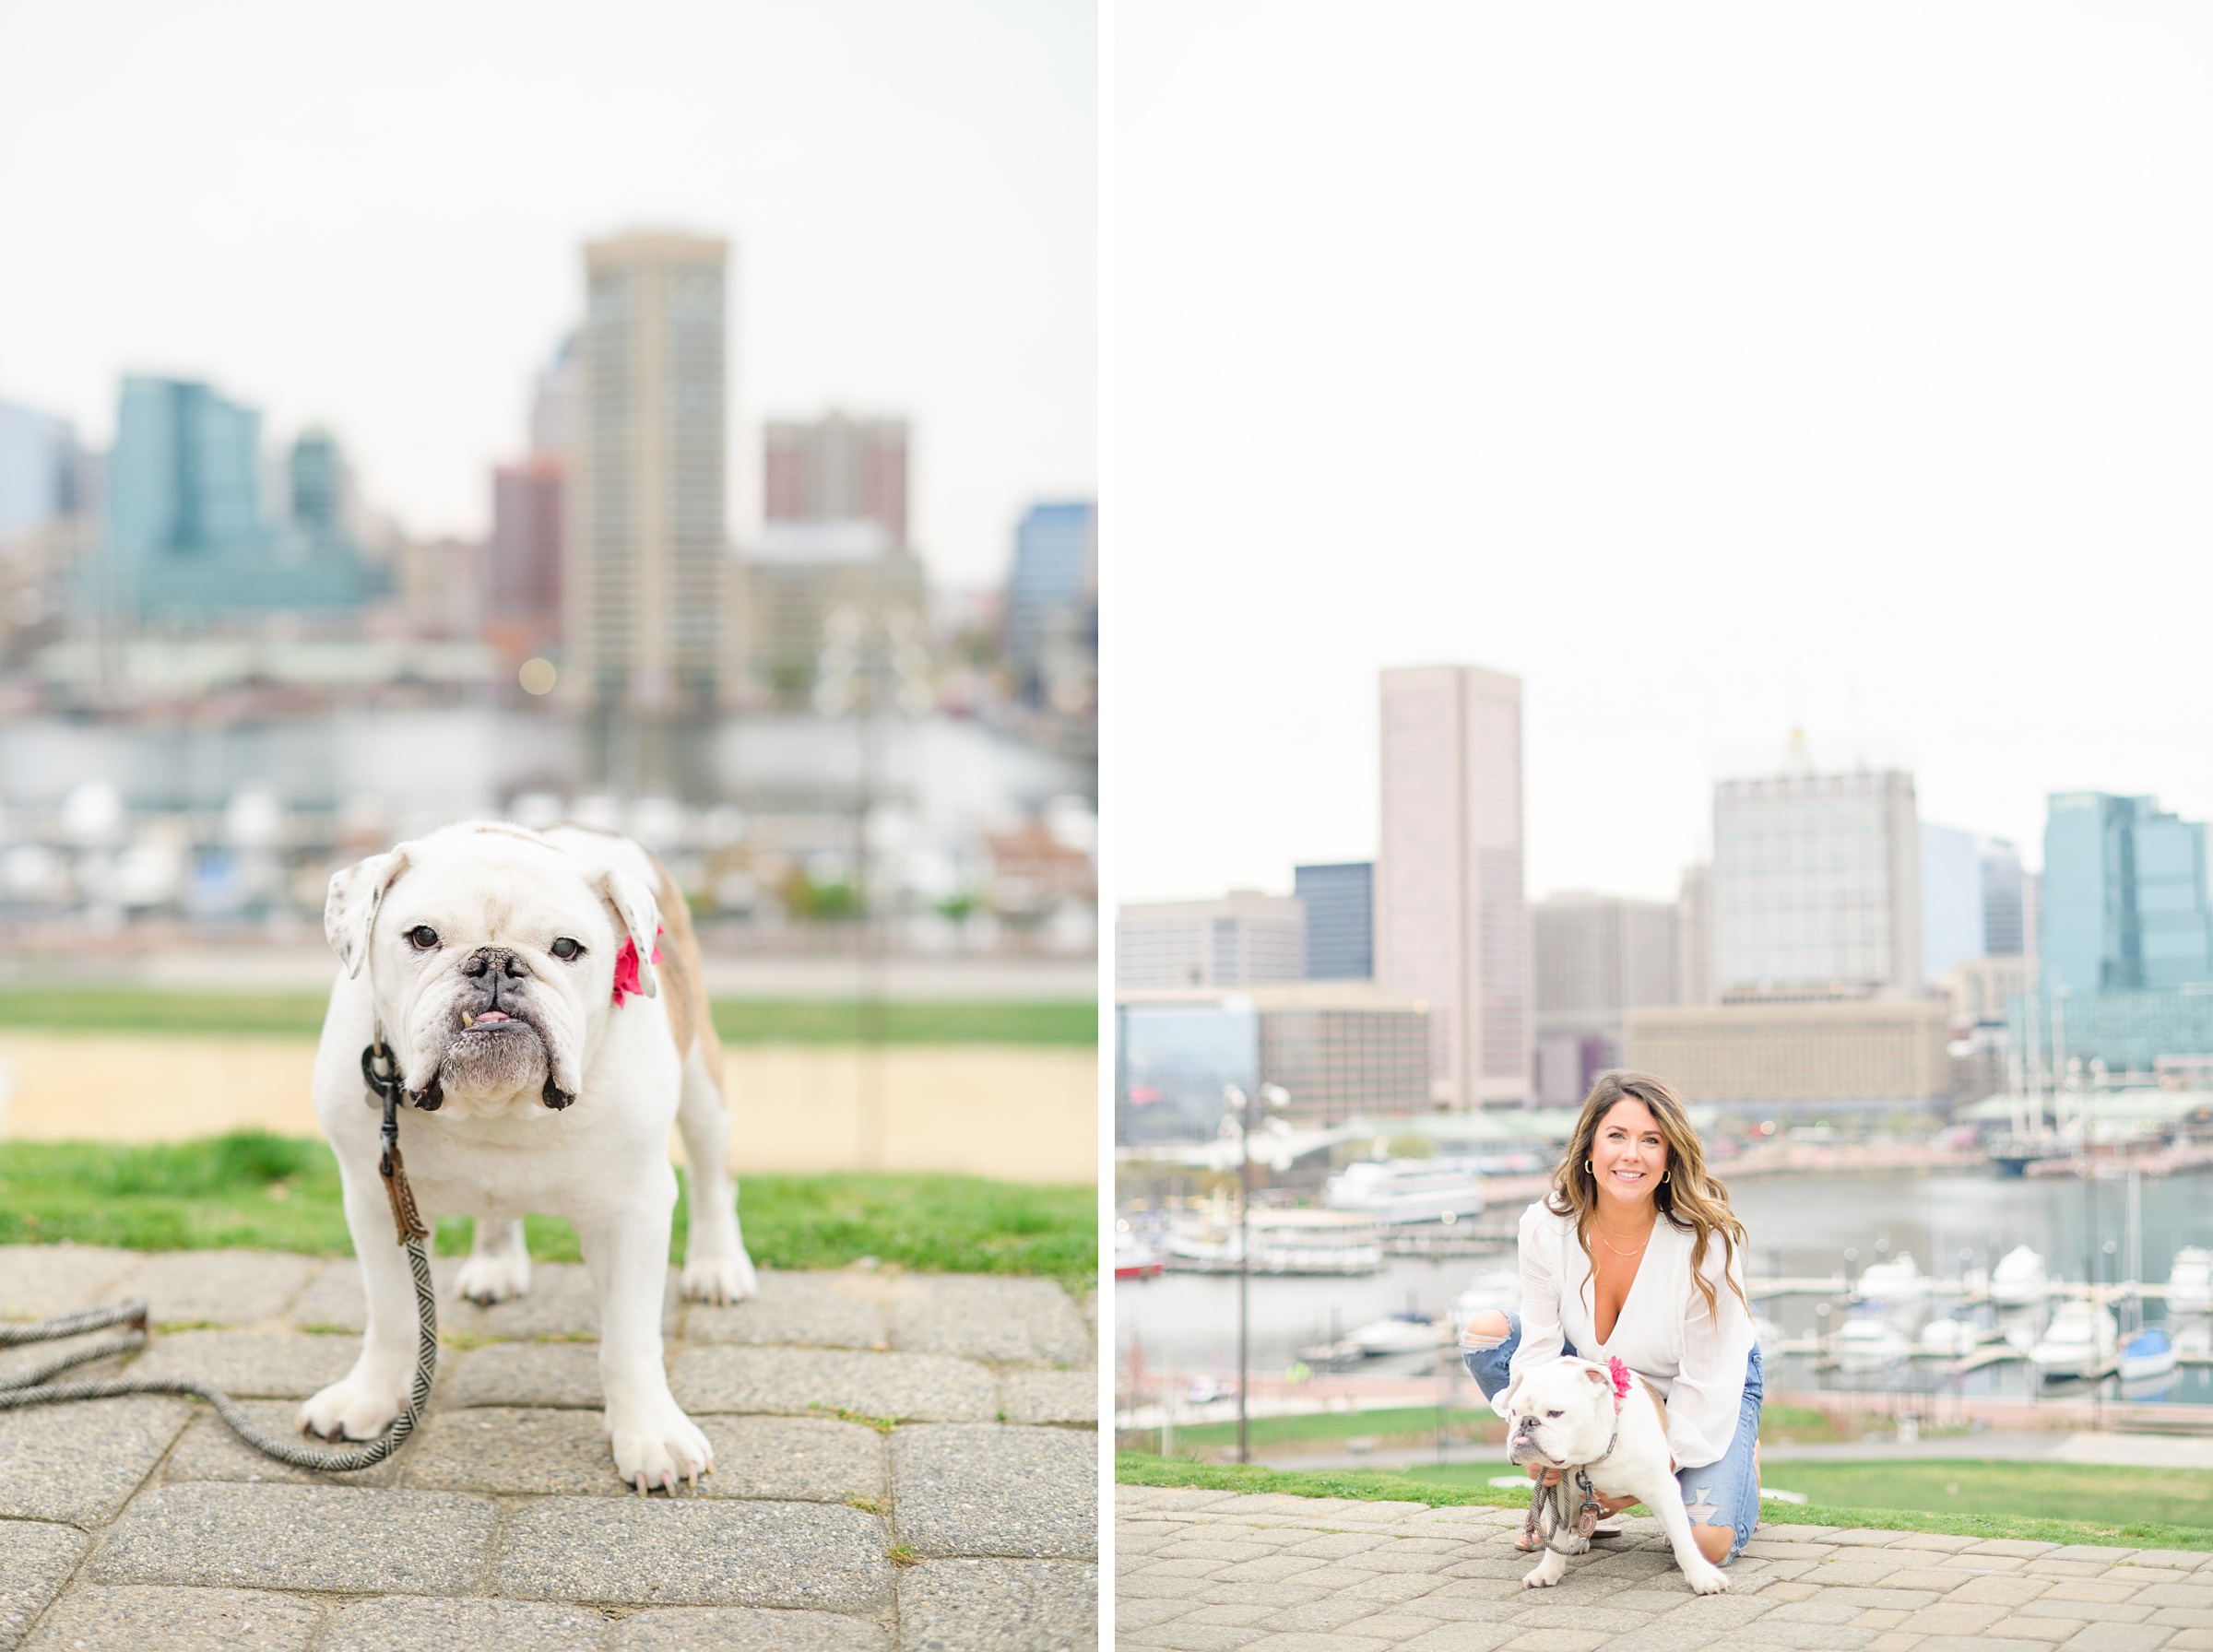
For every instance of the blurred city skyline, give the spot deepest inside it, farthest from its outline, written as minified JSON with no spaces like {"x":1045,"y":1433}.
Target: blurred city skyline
{"x":1718,"y":372}
{"x":387,"y":245}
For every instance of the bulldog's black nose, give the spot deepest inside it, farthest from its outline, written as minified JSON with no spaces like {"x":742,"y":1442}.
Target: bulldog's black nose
{"x":489,"y":961}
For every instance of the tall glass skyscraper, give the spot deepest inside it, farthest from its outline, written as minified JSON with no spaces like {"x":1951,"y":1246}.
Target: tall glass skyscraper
{"x":2124,"y":901}
{"x":188,"y":535}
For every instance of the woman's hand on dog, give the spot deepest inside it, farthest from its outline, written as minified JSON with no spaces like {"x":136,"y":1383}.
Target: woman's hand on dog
{"x":1551,"y":1476}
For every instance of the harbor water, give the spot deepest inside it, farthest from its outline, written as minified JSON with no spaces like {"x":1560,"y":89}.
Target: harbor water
{"x":1800,"y":1226}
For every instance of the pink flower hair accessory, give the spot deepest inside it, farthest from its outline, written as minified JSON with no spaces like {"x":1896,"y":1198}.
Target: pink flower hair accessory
{"x":626,"y":966}
{"x":1620,"y":1374}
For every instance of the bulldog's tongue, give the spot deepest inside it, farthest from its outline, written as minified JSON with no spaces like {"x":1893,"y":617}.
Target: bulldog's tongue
{"x":487,"y":1017}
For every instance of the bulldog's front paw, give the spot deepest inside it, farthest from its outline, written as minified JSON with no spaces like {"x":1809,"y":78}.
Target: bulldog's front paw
{"x":1548,"y":1571}
{"x":350,"y":1409}
{"x":718,"y":1279}
{"x":656,"y":1445}
{"x":494,"y":1277}
{"x":1707,"y":1580}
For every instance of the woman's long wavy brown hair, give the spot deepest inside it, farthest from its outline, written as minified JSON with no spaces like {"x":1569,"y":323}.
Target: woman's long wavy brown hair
{"x":1691,"y":1197}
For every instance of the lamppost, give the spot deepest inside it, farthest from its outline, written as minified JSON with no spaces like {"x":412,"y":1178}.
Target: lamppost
{"x":1274,"y":1098}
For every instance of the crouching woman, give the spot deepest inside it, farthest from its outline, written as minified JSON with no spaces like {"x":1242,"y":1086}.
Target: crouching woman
{"x":1636,"y":1254}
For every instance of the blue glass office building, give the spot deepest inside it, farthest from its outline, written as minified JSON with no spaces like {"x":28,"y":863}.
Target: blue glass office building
{"x":2125,"y":899}
{"x":188,"y":536}
{"x":1052,"y":578}
{"x":1341,"y":919}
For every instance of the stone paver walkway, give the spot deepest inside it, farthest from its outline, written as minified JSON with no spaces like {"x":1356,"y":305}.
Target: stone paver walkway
{"x":1209,"y":1572}
{"x":902,"y":1462}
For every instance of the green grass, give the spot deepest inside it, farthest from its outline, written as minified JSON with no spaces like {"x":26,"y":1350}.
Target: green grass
{"x":281,"y":1193}
{"x":739,"y":1021}
{"x":1134,"y":1469}
{"x":1324,"y":1426}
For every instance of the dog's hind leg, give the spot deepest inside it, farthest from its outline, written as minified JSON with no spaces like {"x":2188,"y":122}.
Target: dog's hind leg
{"x":716,"y":1266}
{"x":498,"y":1266}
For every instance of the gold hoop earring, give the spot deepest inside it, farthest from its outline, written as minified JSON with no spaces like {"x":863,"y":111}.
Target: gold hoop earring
{"x":1665,"y":1173}
{"x":1587,"y":1170}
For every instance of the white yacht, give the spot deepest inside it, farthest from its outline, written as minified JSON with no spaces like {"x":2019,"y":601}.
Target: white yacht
{"x":1293,"y":1241}
{"x":1405,"y":1190}
{"x":1868,"y":1341}
{"x":2018,"y":1281}
{"x":1899,"y":1280}
{"x":2190,"y":1281}
{"x":1948,"y":1339}
{"x":1402,"y":1333}
{"x":1497,"y":1287}
{"x":2080,"y":1341}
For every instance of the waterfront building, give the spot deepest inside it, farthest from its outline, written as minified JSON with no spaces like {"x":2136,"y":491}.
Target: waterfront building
{"x":1837,"y":1055}
{"x":1339,"y":900}
{"x":189,"y":538}
{"x":1052,"y":597}
{"x":39,"y":469}
{"x":837,"y":470}
{"x":1816,"y":885}
{"x":1452,"y":923}
{"x":819,"y":593}
{"x":1246,"y":939}
{"x":1694,"y":937}
{"x":2123,"y":896}
{"x":1593,"y":959}
{"x":647,"y":586}
{"x":1338,"y":1049}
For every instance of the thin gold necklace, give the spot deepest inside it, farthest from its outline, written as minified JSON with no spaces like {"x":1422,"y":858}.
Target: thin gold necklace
{"x":1616,"y":1249}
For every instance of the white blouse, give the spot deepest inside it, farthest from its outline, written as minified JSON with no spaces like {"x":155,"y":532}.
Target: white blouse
{"x":1695,"y":1359}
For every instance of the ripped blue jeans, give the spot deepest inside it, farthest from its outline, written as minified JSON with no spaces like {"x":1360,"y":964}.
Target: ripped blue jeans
{"x":1722,"y":1494}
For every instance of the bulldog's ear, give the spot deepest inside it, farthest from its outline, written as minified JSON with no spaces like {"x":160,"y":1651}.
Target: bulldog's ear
{"x":349,"y":909}
{"x":638,"y":916}
{"x":1594,"y":1374}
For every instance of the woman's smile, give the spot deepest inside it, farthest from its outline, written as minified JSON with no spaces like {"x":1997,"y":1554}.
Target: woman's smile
{"x":1630,"y":1154}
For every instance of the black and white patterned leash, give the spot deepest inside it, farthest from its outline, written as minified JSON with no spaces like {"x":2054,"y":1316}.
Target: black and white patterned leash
{"x":383,"y":1077}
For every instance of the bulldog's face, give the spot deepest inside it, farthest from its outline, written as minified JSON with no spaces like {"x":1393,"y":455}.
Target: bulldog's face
{"x":1560,"y":1414}
{"x":492,"y":954}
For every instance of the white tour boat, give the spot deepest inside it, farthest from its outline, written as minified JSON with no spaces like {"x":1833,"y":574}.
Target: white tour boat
{"x":1869,"y":1342}
{"x":1899,"y":1280}
{"x":1407,"y":1190}
{"x":1296,"y":1241}
{"x":2018,"y":1281}
{"x":2080,"y":1341}
{"x":2190,"y":1281}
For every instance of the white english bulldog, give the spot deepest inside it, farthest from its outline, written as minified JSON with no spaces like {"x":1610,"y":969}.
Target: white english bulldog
{"x":1570,"y":1414}
{"x":547,"y":1045}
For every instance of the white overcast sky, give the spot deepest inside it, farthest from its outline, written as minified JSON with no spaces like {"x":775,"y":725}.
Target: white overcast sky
{"x":1715,"y":369}
{"x":371,"y":215}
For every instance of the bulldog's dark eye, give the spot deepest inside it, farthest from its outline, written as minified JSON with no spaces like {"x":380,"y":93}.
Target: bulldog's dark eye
{"x":565,"y":949}
{"x":1556,"y":1413}
{"x":422,"y":938}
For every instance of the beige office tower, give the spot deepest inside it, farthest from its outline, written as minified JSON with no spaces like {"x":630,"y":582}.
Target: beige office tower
{"x":647,"y":586}
{"x":1452,"y":923}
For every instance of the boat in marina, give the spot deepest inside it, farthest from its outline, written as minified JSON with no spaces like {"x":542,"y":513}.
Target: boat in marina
{"x":2081,"y":1341}
{"x":1402,"y":1333}
{"x":1407,"y":1190}
{"x":1133,"y":1258}
{"x":1497,"y":1289}
{"x":1899,"y":1280}
{"x":1295,"y":1241}
{"x":1869,"y":1342}
{"x":1948,"y":1339}
{"x":2019,"y":1280}
{"x":2190,"y":1281}
{"x":2149,"y":1354}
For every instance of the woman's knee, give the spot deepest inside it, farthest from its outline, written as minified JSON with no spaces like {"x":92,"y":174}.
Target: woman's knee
{"x":1490,"y":1322}
{"x":1714,"y":1541}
